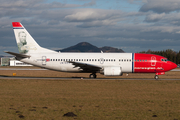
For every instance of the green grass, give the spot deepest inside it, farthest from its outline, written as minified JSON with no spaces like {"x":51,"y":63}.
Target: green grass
{"x":107,"y":100}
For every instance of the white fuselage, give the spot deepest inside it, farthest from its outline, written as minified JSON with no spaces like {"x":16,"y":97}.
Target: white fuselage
{"x":60,"y":61}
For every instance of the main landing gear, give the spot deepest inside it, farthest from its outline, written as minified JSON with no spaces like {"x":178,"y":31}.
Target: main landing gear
{"x":93,"y":75}
{"x":156,"y":77}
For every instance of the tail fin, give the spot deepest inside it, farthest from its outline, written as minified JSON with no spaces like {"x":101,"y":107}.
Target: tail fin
{"x":26,"y":44}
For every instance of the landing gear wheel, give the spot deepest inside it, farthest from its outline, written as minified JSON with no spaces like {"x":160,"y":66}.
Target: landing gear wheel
{"x":93,"y":75}
{"x":156,"y":77}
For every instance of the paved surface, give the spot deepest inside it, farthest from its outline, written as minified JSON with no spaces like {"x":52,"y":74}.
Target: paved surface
{"x":58,"y":78}
{"x":175,"y":70}
{"x":78,"y":78}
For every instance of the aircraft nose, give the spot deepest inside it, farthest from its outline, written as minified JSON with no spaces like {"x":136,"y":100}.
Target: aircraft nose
{"x":173,"y":65}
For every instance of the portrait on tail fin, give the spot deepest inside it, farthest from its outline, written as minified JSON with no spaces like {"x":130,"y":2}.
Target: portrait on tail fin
{"x":22,"y":44}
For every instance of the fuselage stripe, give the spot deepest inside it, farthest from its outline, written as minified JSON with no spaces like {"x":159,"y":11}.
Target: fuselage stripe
{"x":132,"y":62}
{"x":18,"y":28}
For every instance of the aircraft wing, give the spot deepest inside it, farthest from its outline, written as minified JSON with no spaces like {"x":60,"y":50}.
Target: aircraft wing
{"x":86,"y":67}
{"x":17,"y":54}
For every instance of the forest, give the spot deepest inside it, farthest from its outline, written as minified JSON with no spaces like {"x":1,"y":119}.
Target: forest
{"x":169,"y":54}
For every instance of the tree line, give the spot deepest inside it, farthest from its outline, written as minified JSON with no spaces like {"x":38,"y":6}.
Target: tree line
{"x":169,"y":54}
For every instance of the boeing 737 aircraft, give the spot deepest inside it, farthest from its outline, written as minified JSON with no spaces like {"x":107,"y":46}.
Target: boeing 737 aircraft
{"x":108,"y":64}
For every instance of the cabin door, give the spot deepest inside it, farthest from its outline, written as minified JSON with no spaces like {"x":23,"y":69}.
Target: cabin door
{"x":101,"y":60}
{"x":43,"y":60}
{"x":153,"y":61}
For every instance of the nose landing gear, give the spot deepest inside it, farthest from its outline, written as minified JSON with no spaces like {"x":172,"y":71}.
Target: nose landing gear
{"x":156,"y":77}
{"x":160,"y":73}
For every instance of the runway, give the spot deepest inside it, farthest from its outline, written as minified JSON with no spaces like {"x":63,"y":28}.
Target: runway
{"x":69,"y":78}
{"x":76,"y":78}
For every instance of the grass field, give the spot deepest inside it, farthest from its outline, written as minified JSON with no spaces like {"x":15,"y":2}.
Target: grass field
{"x":89,"y":99}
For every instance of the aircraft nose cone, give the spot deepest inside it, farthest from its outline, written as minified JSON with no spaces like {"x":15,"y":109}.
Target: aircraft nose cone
{"x":173,"y":65}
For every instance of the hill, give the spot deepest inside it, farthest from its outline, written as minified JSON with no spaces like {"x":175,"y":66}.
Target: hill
{"x":111,"y":49}
{"x":81,"y":47}
{"x":87,"y":47}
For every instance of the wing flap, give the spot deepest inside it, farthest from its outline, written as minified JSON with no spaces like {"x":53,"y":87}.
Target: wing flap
{"x":86,"y":67}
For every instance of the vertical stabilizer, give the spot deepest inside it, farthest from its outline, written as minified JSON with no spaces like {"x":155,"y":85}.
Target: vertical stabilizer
{"x":26,"y":44}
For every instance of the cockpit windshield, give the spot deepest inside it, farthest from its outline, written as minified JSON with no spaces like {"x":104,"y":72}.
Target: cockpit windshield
{"x":164,"y":60}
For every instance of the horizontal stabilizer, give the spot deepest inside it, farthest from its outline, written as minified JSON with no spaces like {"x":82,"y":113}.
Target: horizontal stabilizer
{"x":18,"y":55}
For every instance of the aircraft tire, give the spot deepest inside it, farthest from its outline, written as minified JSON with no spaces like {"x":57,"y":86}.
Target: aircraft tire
{"x":92,"y":75}
{"x":156,"y":77}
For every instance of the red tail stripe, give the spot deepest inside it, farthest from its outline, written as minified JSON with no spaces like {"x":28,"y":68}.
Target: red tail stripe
{"x":16,"y":24}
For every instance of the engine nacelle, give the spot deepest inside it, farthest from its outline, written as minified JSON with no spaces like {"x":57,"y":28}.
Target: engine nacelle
{"x":111,"y":71}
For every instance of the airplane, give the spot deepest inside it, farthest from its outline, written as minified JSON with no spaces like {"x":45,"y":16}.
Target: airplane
{"x":108,"y":64}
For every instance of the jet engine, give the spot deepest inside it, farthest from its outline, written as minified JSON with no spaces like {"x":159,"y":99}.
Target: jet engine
{"x":111,"y":71}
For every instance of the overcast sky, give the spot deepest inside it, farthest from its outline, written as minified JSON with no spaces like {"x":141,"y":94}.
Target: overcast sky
{"x":132,"y":25}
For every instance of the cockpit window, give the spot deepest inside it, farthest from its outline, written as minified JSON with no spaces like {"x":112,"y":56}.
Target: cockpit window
{"x":164,"y":60}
